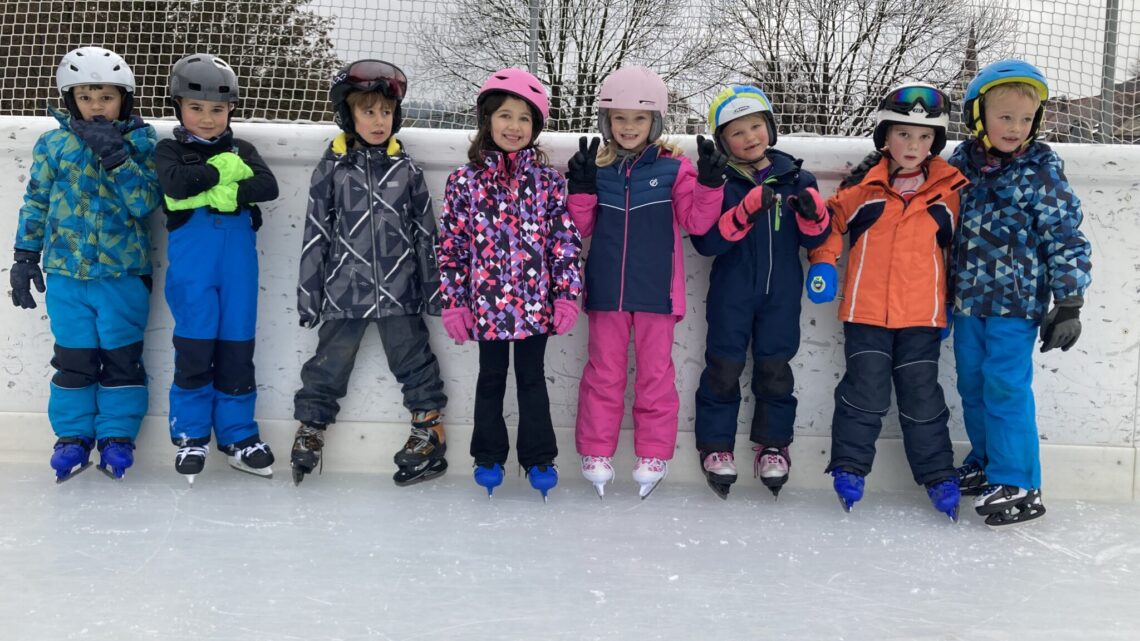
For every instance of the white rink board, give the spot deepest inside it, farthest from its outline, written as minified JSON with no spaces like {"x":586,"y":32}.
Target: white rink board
{"x":1086,"y":397}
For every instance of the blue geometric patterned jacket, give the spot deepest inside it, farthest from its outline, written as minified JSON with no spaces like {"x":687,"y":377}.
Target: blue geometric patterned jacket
{"x":89,"y":222}
{"x":1018,"y":242}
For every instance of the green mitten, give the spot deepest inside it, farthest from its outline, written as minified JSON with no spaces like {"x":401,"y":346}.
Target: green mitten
{"x":231,"y":168}
{"x":223,"y":197}
{"x":192,"y":202}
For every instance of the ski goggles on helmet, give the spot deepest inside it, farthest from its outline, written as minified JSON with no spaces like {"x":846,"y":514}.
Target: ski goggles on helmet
{"x":367,"y":75}
{"x":905,"y":100}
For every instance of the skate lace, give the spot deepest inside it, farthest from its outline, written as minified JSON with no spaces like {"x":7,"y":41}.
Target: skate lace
{"x":310,"y":438}
{"x":653,"y":464}
{"x":719,"y":460}
{"x":249,"y":450}
{"x":594,"y":462}
{"x":769,"y":455}
{"x":190,"y":450}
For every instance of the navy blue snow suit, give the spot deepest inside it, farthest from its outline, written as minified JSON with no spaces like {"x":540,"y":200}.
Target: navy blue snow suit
{"x":754,"y":295}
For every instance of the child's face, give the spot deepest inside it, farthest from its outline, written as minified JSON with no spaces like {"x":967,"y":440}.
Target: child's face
{"x":1009,"y":117}
{"x":206,"y":119}
{"x":746,"y":137}
{"x":908,"y":146}
{"x":512,"y":125}
{"x":373,"y":122}
{"x":631,"y":127}
{"x":98,"y":100}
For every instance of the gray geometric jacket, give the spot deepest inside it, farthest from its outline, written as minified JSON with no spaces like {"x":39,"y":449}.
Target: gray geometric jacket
{"x":370,"y":236}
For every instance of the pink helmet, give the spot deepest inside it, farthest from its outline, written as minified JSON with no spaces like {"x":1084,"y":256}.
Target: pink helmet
{"x":633,"y":87}
{"x":520,"y":84}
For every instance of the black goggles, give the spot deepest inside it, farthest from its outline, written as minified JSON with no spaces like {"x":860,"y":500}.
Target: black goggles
{"x":368,"y":75}
{"x":903,"y":101}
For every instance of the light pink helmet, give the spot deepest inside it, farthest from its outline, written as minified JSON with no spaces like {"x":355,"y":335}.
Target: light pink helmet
{"x":520,"y":84}
{"x":633,"y":87}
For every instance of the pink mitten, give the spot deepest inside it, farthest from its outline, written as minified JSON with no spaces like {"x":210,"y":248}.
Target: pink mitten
{"x":565,"y":315}
{"x":458,"y":323}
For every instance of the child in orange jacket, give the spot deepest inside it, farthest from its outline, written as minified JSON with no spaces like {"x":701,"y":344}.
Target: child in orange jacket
{"x":900,"y":220}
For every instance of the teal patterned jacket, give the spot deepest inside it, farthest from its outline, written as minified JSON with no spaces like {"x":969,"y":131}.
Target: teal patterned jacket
{"x":1018,"y":242}
{"x":88,"y":222}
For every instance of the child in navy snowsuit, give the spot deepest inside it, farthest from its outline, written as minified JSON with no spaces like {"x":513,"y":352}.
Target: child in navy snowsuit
{"x":1018,"y":247}
{"x":212,"y":181}
{"x":771,"y":210}
{"x":634,"y":199}
{"x":86,"y":213}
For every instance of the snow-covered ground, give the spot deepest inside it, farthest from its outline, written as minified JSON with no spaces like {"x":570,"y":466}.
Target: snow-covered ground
{"x":351,"y":556}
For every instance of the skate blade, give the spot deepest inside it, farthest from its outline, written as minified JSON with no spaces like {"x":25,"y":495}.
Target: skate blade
{"x":600,"y":488}
{"x":846,"y":506}
{"x":299,"y":475}
{"x":646,"y":492}
{"x":419,"y":479}
{"x":110,"y":473}
{"x":720,"y":489}
{"x":190,"y":479}
{"x":264,"y":472}
{"x":72,"y":474}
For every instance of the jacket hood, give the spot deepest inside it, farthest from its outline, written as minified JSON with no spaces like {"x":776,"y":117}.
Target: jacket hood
{"x":970,"y":153}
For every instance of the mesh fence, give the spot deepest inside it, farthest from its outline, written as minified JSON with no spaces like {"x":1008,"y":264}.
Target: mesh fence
{"x":824,"y":62}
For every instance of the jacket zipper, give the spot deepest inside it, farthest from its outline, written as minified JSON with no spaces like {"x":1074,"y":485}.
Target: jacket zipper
{"x":624,"y":239}
{"x":372,"y":229}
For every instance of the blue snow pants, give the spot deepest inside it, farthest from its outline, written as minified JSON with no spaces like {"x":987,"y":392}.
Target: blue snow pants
{"x":99,"y":387}
{"x":875,"y":357}
{"x":211,"y":288}
{"x":994,"y":360}
{"x":772,"y":324}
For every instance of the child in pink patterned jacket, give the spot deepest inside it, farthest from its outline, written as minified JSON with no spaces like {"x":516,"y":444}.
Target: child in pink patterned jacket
{"x":508,"y":259}
{"x":634,"y":198}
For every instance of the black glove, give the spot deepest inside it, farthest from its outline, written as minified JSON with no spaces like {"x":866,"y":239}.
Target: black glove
{"x":582,"y":169}
{"x":25,"y":272}
{"x":1062,"y":326}
{"x":255,"y":219}
{"x":858,"y":172}
{"x":710,"y":163}
{"x":308,"y":322}
{"x":803,"y":204}
{"x":104,"y":138}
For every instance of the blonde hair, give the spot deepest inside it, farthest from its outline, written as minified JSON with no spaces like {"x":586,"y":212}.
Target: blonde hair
{"x":366,"y":99}
{"x":608,"y":154}
{"x":1022,"y":89}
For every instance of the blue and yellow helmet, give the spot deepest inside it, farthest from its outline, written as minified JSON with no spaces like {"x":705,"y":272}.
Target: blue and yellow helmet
{"x":1000,"y":73}
{"x":737,"y":101}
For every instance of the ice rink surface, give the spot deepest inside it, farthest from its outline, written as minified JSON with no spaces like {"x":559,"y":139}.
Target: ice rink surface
{"x":351,"y":556}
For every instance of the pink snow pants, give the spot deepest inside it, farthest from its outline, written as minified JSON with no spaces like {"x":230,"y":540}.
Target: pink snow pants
{"x":601,"y":396}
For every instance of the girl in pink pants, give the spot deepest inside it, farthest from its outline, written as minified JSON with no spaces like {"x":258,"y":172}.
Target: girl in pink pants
{"x":634,"y":197}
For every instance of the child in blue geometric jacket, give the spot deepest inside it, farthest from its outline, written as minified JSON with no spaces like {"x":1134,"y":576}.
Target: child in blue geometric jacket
{"x":86,"y":211}
{"x":212,"y":182}
{"x":1018,"y":246}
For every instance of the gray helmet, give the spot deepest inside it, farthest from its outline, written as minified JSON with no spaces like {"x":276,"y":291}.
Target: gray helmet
{"x":202,"y":76}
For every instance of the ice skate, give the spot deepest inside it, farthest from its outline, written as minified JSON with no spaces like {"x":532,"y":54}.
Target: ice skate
{"x":70,"y":456}
{"x":996,"y":498}
{"x":251,"y":456}
{"x":598,"y":470}
{"x":307,"y":447}
{"x":971,"y":479}
{"x":649,"y":472}
{"x":116,"y":453}
{"x":848,"y":487}
{"x":191,"y":459}
{"x":421,"y":458}
{"x":720,"y":471}
{"x":945,"y":496}
{"x":542,"y":477}
{"x":772,"y":465}
{"x":489,"y":476}
{"x":1027,"y":508}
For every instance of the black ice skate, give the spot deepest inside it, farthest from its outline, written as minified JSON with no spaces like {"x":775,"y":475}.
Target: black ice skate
{"x":191,"y":458}
{"x":251,"y":456}
{"x":307,"y":448}
{"x":421,"y":458}
{"x":1005,"y":505}
{"x":971,"y":479}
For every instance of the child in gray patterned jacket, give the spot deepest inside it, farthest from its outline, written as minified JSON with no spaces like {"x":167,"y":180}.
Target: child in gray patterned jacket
{"x":369,"y":259}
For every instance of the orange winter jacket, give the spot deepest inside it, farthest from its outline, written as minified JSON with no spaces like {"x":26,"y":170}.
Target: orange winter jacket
{"x":896,"y":269}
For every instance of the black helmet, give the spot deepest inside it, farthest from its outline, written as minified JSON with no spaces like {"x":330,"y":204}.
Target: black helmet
{"x":367,"y":75}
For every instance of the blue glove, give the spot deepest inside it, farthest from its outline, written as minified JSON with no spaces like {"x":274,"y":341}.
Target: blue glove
{"x":821,"y":283}
{"x":949,"y":322}
{"x":104,"y":138}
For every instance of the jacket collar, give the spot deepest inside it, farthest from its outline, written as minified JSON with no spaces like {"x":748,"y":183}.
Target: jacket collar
{"x":783,"y":167}
{"x":511,"y":163}
{"x":341,"y":147}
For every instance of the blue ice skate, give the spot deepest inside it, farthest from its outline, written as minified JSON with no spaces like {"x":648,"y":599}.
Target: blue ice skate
{"x":945,"y":496}
{"x":849,"y":487}
{"x":542,"y":478}
{"x":489,"y":475}
{"x":116,"y":453}
{"x":71,"y":456}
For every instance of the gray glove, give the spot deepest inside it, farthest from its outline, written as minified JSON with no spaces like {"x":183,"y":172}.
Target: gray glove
{"x":1062,"y":325}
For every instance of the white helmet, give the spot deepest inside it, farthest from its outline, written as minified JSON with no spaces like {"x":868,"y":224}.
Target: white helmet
{"x":914,"y":103}
{"x":95,"y":66}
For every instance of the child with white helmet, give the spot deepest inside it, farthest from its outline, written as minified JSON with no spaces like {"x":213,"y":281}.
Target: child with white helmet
{"x":212,"y":183}
{"x":634,"y":198}
{"x":93,"y":185}
{"x":771,"y":211}
{"x":508,"y":261}
{"x":1019,"y":246}
{"x":900,"y":219}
